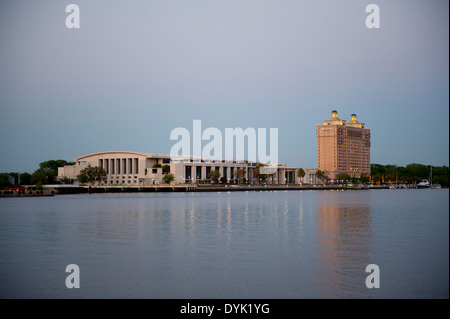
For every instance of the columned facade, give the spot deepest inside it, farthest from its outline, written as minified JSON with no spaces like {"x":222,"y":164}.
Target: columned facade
{"x":145,"y":169}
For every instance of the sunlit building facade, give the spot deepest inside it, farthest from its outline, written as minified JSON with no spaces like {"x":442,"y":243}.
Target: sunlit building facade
{"x":343,"y":147}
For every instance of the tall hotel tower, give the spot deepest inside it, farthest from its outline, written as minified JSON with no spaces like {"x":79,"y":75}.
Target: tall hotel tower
{"x":343,"y":147}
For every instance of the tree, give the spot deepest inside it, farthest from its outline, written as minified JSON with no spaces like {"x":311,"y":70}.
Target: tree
{"x":320,"y":175}
{"x":364,"y":178}
{"x":4,"y":181}
{"x":223,"y":179}
{"x":343,"y":177}
{"x":257,"y":172}
{"x":82,"y":178}
{"x":214,"y":175}
{"x":40,"y":177}
{"x":93,"y":174}
{"x":168,"y":178}
{"x":47,"y":171}
{"x":24,"y":178}
{"x":166,"y":169}
{"x":301,"y":173}
{"x":412,"y":173}
{"x":241,"y":174}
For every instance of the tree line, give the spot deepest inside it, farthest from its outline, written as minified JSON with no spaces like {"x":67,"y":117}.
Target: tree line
{"x":45,"y":174}
{"x":409,"y":174}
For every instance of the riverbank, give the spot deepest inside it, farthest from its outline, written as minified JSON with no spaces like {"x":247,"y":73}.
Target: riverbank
{"x":51,"y":190}
{"x":73,"y":189}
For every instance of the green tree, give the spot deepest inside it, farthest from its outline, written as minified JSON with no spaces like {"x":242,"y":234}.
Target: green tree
{"x":47,"y":171}
{"x":41,"y":177}
{"x":241,"y":173}
{"x":214,"y":175}
{"x":301,"y":173}
{"x":166,"y":169}
{"x":82,"y":178}
{"x":320,"y":175}
{"x":223,"y":179}
{"x":93,"y":174}
{"x":25,"y":178}
{"x":168,"y":178}
{"x":364,"y":178}
{"x":411,"y":173}
{"x":4,"y":181}
{"x":343,"y":177}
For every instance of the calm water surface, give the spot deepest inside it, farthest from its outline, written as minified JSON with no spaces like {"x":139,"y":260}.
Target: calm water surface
{"x":284,"y":244}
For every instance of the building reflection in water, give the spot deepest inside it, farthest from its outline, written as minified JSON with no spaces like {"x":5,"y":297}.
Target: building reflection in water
{"x":344,"y":234}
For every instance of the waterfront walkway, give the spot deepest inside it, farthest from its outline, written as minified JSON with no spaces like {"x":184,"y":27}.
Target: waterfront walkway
{"x":71,"y":189}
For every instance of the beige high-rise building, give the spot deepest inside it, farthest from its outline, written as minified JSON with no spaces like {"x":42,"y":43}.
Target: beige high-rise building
{"x":343,"y":147}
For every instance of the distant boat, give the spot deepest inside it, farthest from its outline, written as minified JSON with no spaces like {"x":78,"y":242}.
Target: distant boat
{"x":427,"y":184}
{"x":431,"y":179}
{"x":424,"y":184}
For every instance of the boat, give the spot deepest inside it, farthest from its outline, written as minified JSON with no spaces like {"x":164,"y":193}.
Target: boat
{"x":424,"y":184}
{"x":431,"y":180}
{"x":25,"y":192}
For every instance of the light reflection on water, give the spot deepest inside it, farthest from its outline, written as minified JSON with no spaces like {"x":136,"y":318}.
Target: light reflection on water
{"x":280,"y":244}
{"x":344,"y":236}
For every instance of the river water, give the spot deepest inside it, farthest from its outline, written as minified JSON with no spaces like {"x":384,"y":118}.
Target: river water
{"x":279,"y":244}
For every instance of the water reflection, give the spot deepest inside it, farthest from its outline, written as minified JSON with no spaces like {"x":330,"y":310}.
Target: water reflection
{"x":296,"y":244}
{"x":344,"y":233}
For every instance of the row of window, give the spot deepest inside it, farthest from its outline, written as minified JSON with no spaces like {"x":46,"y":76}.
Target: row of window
{"x":119,"y":165}
{"x":198,"y":171}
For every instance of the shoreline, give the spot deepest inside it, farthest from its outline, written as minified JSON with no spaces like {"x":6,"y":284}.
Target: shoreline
{"x":52,"y":190}
{"x":194,"y":188}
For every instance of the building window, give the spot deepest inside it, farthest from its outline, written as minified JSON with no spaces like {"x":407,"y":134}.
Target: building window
{"x":198,"y":173}
{"x":187,"y":174}
{"x":136,"y":166}
{"x":208,"y":170}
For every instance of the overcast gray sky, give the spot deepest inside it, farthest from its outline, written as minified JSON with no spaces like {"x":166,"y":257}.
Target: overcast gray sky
{"x":135,"y":70}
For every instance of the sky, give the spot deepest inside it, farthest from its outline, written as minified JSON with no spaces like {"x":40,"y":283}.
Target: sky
{"x":135,"y":70}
